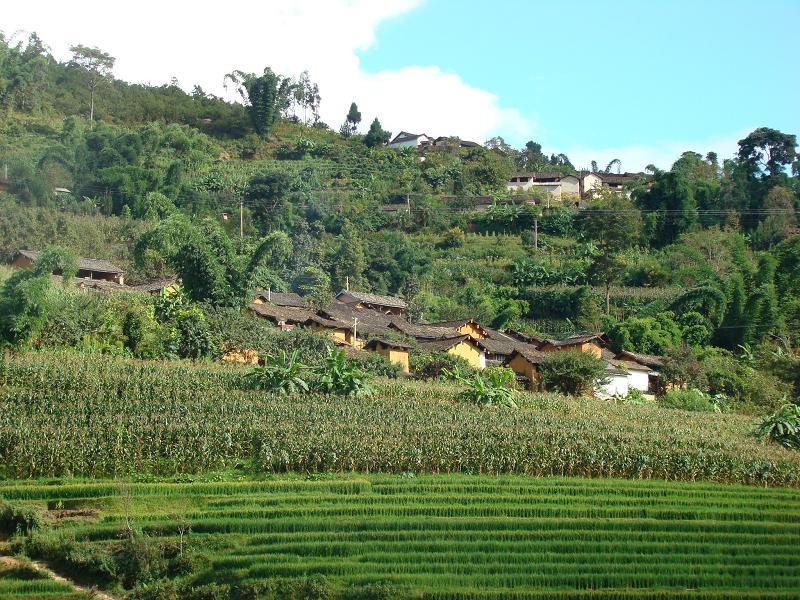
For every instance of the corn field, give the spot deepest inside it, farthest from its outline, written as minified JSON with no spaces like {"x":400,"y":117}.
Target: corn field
{"x":92,"y":416}
{"x":462,"y":537}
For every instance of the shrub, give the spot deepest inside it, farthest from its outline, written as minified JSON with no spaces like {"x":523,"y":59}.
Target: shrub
{"x":342,"y":377}
{"x":432,"y":365}
{"x":691,"y":399}
{"x":783,"y":426}
{"x":375,"y":364}
{"x":281,"y":373}
{"x":18,"y":519}
{"x":572,"y":372}
{"x":490,"y":387}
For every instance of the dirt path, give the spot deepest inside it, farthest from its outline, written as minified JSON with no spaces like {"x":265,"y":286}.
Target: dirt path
{"x":10,"y":561}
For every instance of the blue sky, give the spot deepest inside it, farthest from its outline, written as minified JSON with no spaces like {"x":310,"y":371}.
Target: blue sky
{"x":638,"y":80}
{"x":613,"y":74}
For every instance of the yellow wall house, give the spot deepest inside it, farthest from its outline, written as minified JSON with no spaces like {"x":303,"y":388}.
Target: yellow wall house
{"x":526,"y":363}
{"x":462,"y":346}
{"x":591,"y":344}
{"x":395,"y":352}
{"x":468,"y":327}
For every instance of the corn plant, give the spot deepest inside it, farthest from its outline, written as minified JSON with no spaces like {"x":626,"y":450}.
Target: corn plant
{"x":281,"y":373}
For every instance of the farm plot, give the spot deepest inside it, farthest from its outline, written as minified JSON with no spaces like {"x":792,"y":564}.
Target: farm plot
{"x":94,"y":416}
{"x":445,"y":536}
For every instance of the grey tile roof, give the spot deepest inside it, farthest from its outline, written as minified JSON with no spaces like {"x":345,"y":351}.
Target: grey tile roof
{"x":282,"y":298}
{"x":443,"y":345}
{"x":282,"y":313}
{"x":534,"y":357}
{"x":84,"y":264}
{"x":390,"y":343}
{"x":156,"y":285}
{"x":375,"y":299}
{"x":648,"y":360}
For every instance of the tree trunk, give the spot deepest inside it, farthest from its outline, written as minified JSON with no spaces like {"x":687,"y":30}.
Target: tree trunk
{"x":608,"y":298}
{"x":91,"y":111}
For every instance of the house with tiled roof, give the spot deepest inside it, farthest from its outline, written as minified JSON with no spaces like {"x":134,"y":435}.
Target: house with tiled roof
{"x":462,"y":346}
{"x":558,"y":185}
{"x":385,"y":304}
{"x":404,"y":139}
{"x":88,"y":268}
{"x":279,"y":298}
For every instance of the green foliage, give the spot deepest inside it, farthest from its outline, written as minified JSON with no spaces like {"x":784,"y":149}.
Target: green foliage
{"x":281,"y":373}
{"x":490,"y":387}
{"x":783,"y":426}
{"x":266,"y":96}
{"x":689,"y":399}
{"x":433,"y":365}
{"x":342,"y":377}
{"x":572,"y":372}
{"x":646,"y":335}
{"x":18,"y":519}
{"x":25,"y":299}
{"x":376,"y":135}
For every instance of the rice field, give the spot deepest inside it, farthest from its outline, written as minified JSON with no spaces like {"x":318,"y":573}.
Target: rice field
{"x":63,"y":414}
{"x":21,"y":582}
{"x":452,"y":536}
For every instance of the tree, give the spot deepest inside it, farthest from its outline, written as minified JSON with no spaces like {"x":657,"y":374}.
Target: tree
{"x":24,"y":303}
{"x":266,"y":96}
{"x":267,"y":193}
{"x":315,"y":286}
{"x":671,"y":207}
{"x":376,"y":135}
{"x":779,"y":206}
{"x":349,"y":260}
{"x":353,"y":118}
{"x":572,"y":372}
{"x":767,"y":151}
{"x":613,"y":224}
{"x":98,"y":66}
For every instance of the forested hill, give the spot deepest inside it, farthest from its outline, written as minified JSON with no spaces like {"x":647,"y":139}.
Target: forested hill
{"x":704,"y":254}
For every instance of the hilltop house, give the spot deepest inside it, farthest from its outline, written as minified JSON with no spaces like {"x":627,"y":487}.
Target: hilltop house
{"x":88,"y":268}
{"x":558,"y":185}
{"x":405,"y":139}
{"x":385,"y":304}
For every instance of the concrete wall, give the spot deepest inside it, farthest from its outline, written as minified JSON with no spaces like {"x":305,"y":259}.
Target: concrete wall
{"x":617,"y":385}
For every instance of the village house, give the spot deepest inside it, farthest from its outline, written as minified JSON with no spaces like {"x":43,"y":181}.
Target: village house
{"x":156,"y":286}
{"x":616,"y":182}
{"x":405,"y":139}
{"x":624,"y":376}
{"x":654,"y":363}
{"x":385,"y":304}
{"x":88,"y":268}
{"x":394,"y":351}
{"x":525,"y":363}
{"x":462,"y":346}
{"x":558,"y":185}
{"x":287,"y":299}
{"x":591,"y":343}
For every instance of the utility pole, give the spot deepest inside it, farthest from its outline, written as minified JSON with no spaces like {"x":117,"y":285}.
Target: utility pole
{"x":347,"y":283}
{"x":536,"y":234}
{"x":408,"y":203}
{"x":355,"y":330}
{"x":241,"y":218}
{"x":5,"y":172}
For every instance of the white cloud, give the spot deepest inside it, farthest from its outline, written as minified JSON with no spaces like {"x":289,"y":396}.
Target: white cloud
{"x":635,"y":158}
{"x":199,"y":42}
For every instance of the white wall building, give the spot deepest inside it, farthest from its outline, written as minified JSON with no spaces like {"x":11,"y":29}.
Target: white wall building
{"x":557,"y":185}
{"x":409,"y":140}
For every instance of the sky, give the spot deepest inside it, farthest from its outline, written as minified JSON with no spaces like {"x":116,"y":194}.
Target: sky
{"x":638,"y":80}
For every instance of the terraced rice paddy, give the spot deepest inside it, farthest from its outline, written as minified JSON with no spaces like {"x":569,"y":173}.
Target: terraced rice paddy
{"x":18,"y":582}
{"x":458,"y":536}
